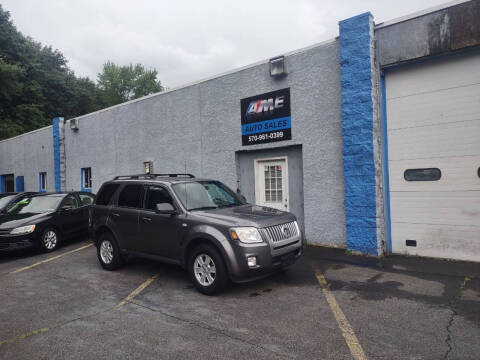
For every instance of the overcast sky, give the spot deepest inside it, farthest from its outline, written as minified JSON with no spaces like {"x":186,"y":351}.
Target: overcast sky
{"x":188,"y":40}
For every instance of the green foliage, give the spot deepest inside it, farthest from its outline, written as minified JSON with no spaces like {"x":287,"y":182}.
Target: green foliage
{"x":36,"y":84}
{"x":124,"y":83}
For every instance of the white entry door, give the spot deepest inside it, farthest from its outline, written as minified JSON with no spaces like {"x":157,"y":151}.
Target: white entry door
{"x":271,"y":183}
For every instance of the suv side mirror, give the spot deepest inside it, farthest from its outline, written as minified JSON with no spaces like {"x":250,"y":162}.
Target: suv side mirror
{"x":165,"y":208}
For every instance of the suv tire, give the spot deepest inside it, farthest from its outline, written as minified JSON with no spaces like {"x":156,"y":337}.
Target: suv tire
{"x":108,"y":252}
{"x":207,"y":270}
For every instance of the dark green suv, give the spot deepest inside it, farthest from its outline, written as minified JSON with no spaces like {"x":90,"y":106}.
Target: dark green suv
{"x":199,"y":224}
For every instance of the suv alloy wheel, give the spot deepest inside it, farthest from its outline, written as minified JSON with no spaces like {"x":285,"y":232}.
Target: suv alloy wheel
{"x":207,"y":269}
{"x":108,"y":252}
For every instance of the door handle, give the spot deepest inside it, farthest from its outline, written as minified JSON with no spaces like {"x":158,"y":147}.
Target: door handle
{"x":146,"y":219}
{"x":115,"y":214}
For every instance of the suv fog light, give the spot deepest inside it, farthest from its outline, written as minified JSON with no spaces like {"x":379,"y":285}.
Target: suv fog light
{"x":252,"y":261}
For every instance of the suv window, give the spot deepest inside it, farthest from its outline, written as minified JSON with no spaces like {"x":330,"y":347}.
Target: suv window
{"x":106,"y":193}
{"x":130,"y":196}
{"x":157,"y":195}
{"x":86,"y":199}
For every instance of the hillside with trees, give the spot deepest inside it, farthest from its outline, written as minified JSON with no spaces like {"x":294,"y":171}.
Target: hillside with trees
{"x":37,"y":85}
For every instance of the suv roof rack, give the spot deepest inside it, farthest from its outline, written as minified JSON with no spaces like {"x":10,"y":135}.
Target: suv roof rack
{"x":151,"y":176}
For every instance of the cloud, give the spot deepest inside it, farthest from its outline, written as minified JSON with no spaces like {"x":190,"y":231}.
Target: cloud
{"x":187,"y":40}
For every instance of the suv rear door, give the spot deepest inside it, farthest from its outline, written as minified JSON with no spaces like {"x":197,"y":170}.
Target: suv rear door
{"x":124,"y":215}
{"x":159,"y":233}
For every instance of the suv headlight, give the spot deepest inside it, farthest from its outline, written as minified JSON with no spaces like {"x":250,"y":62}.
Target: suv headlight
{"x":247,"y":235}
{"x":23,"y":230}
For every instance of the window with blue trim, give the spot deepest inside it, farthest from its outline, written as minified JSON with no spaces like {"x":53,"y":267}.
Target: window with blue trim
{"x":42,"y":182}
{"x":87,"y":179}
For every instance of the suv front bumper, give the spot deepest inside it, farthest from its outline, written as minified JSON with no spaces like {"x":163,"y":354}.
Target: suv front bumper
{"x":269,"y":258}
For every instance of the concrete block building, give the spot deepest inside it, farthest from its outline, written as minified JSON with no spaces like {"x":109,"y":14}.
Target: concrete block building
{"x":371,"y":138}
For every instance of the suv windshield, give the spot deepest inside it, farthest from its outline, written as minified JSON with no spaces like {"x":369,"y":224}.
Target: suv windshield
{"x":35,"y":205}
{"x":203,"y":195}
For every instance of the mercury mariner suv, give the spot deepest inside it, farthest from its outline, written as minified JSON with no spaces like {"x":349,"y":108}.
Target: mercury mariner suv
{"x":199,"y":224}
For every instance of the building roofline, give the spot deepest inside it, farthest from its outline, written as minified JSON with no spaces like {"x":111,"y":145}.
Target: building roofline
{"x":27,"y":133}
{"x":420,"y":13}
{"x":213,"y":77}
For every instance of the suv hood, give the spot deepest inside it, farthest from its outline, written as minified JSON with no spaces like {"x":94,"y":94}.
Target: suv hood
{"x":247,"y":215}
{"x":13,"y":221}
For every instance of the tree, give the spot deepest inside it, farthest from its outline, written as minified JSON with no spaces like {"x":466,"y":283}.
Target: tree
{"x":37,"y":85}
{"x":123,"y":83}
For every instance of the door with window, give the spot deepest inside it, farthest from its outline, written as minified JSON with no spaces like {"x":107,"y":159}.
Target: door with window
{"x":159,"y":232}
{"x":70,"y":215}
{"x":123,"y":218}
{"x":434,"y":153}
{"x":271,"y":183}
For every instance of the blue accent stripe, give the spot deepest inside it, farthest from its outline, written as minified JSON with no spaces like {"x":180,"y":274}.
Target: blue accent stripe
{"x":56,"y":152}
{"x":357,"y":132}
{"x":82,"y":171}
{"x":2,"y":184}
{"x":19,"y":184}
{"x":385,"y":162}
{"x":267,"y":125}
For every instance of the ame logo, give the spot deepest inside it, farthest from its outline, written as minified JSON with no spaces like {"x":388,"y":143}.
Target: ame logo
{"x":259,"y":107}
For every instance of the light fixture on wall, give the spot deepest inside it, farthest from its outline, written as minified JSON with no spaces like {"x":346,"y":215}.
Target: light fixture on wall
{"x":148,"y":167}
{"x":74,"y":124}
{"x":278,"y":67}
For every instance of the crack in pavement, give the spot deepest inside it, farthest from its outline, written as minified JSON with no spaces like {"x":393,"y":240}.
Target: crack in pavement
{"x":42,"y":330}
{"x":451,"y":305}
{"x":211,"y":328}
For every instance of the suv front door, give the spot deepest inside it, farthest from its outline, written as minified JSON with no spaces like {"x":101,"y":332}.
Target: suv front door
{"x":159,"y":232}
{"x":123,"y":217}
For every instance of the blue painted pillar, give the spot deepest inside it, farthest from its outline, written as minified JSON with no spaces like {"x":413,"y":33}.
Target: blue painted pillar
{"x":356,"y":64}
{"x":19,"y":184}
{"x":56,"y":152}
{"x":2,"y":184}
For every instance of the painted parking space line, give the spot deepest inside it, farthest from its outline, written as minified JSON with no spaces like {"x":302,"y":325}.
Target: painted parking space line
{"x":49,"y":259}
{"x":347,"y":330}
{"x":128,"y":299}
{"x":137,"y":291}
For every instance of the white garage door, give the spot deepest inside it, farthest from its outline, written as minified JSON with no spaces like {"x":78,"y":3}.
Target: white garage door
{"x":433,"y":114}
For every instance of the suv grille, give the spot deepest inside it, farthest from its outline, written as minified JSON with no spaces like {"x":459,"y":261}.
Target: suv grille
{"x":278,"y":233}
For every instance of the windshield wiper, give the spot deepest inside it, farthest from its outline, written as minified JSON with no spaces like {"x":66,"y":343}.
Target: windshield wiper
{"x":204,"y":208}
{"x":229,"y":205}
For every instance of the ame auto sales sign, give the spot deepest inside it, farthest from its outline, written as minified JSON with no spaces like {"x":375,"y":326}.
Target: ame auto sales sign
{"x":266,"y":117}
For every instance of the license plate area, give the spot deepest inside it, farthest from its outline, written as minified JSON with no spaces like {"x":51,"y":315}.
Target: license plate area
{"x":287,"y":260}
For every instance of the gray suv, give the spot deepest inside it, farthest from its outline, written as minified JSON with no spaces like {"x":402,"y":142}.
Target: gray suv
{"x":199,"y":224}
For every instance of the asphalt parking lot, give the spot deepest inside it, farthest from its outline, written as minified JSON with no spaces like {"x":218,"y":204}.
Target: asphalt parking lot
{"x":328,"y":306}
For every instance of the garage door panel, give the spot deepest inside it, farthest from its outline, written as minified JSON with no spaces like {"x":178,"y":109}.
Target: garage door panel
{"x":441,"y":241}
{"x":436,"y":141}
{"x":434,"y":75}
{"x":433,"y":108}
{"x":433,"y":121}
{"x":461,"y":208}
{"x":458,"y":174}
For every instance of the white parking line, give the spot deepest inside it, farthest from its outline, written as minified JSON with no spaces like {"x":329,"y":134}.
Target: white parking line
{"x":347,"y":330}
{"x":137,"y":291}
